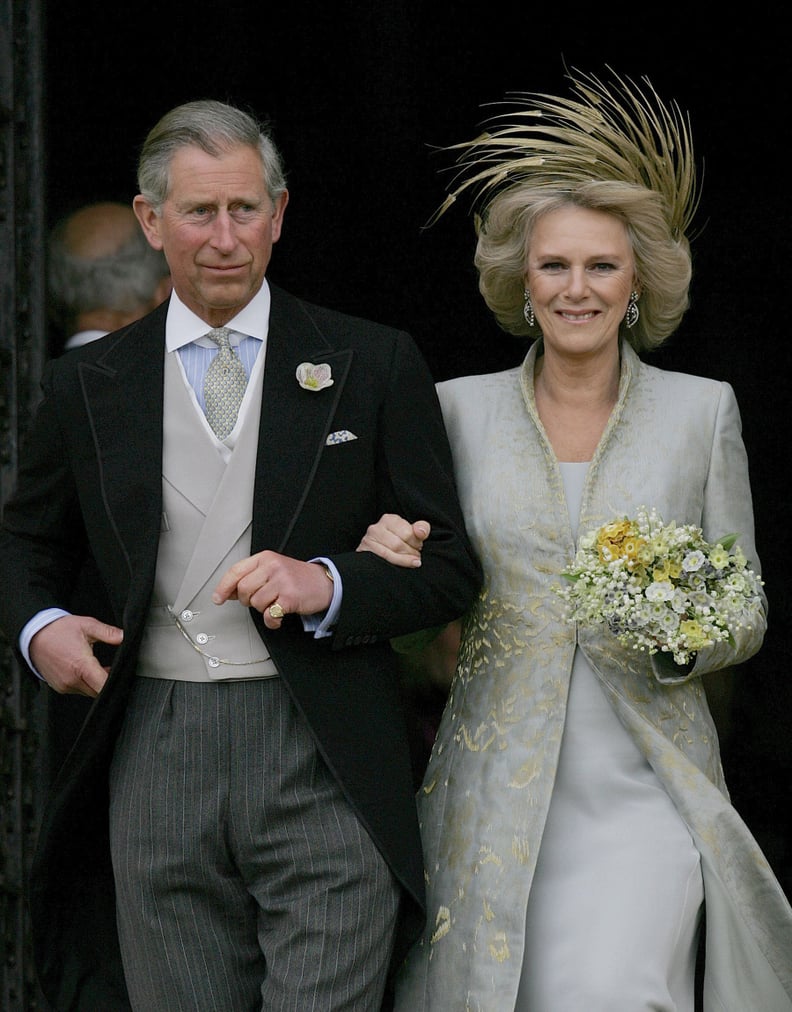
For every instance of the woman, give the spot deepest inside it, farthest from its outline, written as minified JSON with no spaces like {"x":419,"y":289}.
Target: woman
{"x":578,"y":837}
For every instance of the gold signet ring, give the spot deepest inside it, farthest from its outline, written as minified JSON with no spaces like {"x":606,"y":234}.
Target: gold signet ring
{"x":276,"y":611}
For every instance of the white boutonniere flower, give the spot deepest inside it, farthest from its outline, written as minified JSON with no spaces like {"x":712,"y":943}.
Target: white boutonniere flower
{"x":314,"y":377}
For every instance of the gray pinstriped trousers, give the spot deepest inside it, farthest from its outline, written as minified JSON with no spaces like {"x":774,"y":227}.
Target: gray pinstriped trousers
{"x":244,"y":880}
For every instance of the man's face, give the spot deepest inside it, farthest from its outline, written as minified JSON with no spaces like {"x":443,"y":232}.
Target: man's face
{"x":216,"y":228}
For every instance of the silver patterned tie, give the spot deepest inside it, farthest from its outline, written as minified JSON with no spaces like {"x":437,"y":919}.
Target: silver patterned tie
{"x":224,"y":386}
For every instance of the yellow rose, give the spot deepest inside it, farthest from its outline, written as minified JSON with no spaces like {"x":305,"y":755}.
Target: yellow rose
{"x":645,"y":553}
{"x":667,"y":569}
{"x":611,"y":540}
{"x":631,"y":550}
{"x":719,"y":557}
{"x":694,"y":634}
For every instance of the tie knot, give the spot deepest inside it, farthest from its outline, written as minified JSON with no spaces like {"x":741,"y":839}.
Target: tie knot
{"x":220,"y":336}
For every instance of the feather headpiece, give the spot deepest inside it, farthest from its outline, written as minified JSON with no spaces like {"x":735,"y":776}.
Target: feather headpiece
{"x":622,"y":133}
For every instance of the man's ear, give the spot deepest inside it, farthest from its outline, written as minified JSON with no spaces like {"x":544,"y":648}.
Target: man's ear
{"x":277,"y":214}
{"x":149,"y":220}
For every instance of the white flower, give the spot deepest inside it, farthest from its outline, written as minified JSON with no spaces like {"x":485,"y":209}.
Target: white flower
{"x":679,"y":601}
{"x":314,"y":377}
{"x":693,"y":561}
{"x":661,"y":591}
{"x":669,"y":621}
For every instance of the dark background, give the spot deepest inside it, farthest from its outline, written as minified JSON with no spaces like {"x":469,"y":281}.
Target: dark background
{"x":361,"y":95}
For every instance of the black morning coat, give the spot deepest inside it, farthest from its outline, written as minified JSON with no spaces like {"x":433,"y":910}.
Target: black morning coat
{"x":90,"y":482}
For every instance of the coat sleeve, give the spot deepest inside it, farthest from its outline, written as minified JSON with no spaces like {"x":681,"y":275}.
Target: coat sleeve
{"x":42,"y":537}
{"x":727,"y":509}
{"x":414,"y":479}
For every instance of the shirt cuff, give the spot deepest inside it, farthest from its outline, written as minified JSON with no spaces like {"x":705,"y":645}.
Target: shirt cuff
{"x":321,"y":625}
{"x":36,"y":624}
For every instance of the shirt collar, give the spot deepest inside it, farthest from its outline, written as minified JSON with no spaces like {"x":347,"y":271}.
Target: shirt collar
{"x":183,"y":327}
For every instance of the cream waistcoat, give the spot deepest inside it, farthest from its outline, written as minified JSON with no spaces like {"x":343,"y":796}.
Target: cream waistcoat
{"x":205,"y":529}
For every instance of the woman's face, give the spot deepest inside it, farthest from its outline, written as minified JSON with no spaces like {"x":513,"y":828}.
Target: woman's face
{"x":581,"y":270}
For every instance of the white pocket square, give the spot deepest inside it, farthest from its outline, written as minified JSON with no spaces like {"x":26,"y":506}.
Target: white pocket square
{"x":342,"y":436}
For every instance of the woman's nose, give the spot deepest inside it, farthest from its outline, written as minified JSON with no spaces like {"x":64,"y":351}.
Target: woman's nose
{"x":577,"y":283}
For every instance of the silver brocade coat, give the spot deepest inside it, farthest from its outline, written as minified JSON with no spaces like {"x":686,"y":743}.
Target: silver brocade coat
{"x":673,"y":442}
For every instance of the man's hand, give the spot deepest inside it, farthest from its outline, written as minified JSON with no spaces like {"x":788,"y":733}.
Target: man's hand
{"x":62,"y":653}
{"x":268,"y":580}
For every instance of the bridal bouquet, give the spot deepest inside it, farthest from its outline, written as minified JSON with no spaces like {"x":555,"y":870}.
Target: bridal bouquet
{"x":659,"y":587}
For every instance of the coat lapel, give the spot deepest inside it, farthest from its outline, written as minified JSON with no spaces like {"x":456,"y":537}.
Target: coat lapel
{"x":294,"y":422}
{"x":123,"y":395}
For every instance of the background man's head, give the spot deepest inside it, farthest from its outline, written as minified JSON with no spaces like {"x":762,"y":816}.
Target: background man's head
{"x":102,"y":273}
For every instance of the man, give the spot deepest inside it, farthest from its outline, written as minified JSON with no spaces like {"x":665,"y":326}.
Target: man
{"x":102,"y":273}
{"x":236,"y":821}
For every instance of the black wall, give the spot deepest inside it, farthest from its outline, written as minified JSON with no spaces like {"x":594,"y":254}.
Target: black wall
{"x":360,"y":93}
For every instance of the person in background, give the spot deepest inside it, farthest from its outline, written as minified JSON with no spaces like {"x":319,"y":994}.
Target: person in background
{"x":101,"y":273}
{"x":235,"y":826}
{"x":579,"y":842}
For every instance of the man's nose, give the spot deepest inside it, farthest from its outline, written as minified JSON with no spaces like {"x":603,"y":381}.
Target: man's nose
{"x":223,"y":234}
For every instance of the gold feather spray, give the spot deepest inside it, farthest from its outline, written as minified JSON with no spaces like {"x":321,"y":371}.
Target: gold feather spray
{"x":622,"y":132}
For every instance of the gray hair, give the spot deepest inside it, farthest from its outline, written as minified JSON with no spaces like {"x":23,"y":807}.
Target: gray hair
{"x":122,"y":281}
{"x":215,"y":128}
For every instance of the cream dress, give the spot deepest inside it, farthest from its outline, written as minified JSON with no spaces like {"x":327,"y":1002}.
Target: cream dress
{"x":614,"y":906}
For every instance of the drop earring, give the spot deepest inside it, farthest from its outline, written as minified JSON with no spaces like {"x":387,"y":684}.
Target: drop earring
{"x":633,"y":312}
{"x":528,"y":312}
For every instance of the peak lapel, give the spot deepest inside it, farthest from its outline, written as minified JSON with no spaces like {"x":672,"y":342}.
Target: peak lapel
{"x":294,"y":422}
{"x":123,"y":397}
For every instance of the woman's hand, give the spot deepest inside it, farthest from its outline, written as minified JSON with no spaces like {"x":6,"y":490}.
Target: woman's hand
{"x":396,"y":540}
